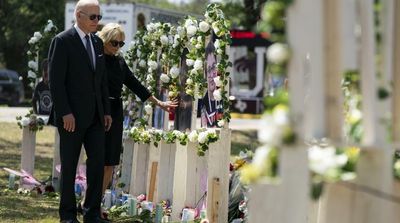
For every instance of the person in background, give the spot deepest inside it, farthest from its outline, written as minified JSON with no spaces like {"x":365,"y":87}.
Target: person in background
{"x":41,"y":101}
{"x":119,"y":74}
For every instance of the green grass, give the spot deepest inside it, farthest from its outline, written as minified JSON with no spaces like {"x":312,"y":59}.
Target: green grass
{"x":23,"y":208}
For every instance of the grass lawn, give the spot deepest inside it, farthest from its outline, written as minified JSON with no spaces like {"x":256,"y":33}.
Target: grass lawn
{"x":21,"y":208}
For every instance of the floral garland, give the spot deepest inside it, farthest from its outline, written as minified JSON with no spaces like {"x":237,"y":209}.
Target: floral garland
{"x":31,"y":121}
{"x":36,"y":42}
{"x":220,"y":25}
{"x":202,"y":136}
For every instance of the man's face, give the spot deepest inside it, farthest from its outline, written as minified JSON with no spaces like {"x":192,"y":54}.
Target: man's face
{"x":88,"y":18}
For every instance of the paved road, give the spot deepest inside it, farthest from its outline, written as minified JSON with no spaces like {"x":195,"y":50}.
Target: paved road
{"x":8,"y":114}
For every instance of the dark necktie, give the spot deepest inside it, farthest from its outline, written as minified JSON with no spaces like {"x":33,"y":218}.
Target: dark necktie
{"x":89,"y":50}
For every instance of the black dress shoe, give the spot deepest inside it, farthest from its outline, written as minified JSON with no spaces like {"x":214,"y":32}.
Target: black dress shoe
{"x":97,"y":220}
{"x":69,"y":221}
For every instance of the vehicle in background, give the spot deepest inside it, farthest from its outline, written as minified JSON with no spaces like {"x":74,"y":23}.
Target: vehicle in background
{"x":11,"y":88}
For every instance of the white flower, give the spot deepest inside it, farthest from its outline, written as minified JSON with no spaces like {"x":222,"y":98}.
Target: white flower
{"x":193,"y":136}
{"x":217,"y":95}
{"x":152,"y":64}
{"x":215,"y":27}
{"x":221,"y":123}
{"x":125,"y":104}
{"x":148,"y":109}
{"x":260,"y":157}
{"x":131,"y":113}
{"x":49,"y":26}
{"x":32,"y":85}
{"x":211,"y":131}
{"x":191,"y":30}
{"x":324,"y":159}
{"x":33,"y":65}
{"x":164,"y":78}
{"x":25,"y":121}
{"x":189,"y":62}
{"x":29,"y":53}
{"x":190,"y":22}
{"x":151,"y":27}
{"x":171,"y":94}
{"x":32,"y":40}
{"x":189,"y":81}
{"x":204,"y":26}
{"x":198,"y":64}
{"x":31,"y":74}
{"x":278,"y":53}
{"x":149,"y":78}
{"x":138,"y":53}
{"x":203,"y":137}
{"x":219,"y":51}
{"x":198,"y":46}
{"x":217,"y":44}
{"x":38,"y":35}
{"x":142,"y":63}
{"x":181,"y":31}
{"x":217,"y":81}
{"x":280,"y":115}
{"x":174,"y":71}
{"x":164,"y":40}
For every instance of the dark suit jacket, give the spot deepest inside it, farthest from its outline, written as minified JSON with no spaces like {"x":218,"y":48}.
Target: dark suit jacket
{"x":76,"y":87}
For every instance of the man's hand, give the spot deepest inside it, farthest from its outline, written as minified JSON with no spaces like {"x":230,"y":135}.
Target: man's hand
{"x":107,"y":122}
{"x":69,"y":122}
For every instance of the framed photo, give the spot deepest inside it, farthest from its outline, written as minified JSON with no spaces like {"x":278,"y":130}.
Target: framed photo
{"x":183,"y":113}
{"x":211,"y":110}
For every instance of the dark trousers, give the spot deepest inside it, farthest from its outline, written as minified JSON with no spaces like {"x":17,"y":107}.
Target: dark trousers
{"x":92,"y":138}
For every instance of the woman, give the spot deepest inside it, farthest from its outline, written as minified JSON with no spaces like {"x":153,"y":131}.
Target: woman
{"x":118,"y":74}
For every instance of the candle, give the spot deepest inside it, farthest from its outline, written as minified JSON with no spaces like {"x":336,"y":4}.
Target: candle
{"x":11,"y":181}
{"x":132,"y":202}
{"x":107,"y":199}
{"x":159,"y":213}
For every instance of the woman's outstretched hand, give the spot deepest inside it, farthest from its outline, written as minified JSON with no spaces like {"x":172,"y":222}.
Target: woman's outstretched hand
{"x":168,"y":105}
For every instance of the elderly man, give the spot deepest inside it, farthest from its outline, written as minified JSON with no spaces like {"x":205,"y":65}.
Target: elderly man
{"x":78,"y":85}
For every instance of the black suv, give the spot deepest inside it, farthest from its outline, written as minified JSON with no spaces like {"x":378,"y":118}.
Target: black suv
{"x":11,"y":88}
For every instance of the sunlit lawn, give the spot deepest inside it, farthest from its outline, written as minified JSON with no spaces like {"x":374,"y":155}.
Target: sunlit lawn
{"x":22,"y":208}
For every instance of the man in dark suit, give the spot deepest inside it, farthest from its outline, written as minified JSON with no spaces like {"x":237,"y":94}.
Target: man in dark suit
{"x":78,"y":85}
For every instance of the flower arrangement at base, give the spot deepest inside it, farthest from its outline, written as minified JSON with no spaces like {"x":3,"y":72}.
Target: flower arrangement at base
{"x":30,"y":120}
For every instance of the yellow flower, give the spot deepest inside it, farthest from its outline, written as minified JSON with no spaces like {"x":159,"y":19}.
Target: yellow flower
{"x":249,"y":174}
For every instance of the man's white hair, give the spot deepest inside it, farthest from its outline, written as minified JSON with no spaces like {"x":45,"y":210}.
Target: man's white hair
{"x":83,"y":3}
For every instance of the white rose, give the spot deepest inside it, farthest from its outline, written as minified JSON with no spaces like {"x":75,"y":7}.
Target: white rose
{"x":219,"y":51}
{"x":217,"y":95}
{"x":49,"y":26}
{"x":31,"y":74}
{"x":191,"y":30}
{"x":190,"y":22}
{"x":25,"y":121}
{"x":138,"y":53}
{"x":202,"y":137}
{"x":149,"y":78}
{"x":217,"y":44}
{"x":215,"y":27}
{"x":221,"y":123}
{"x":164,"y":78}
{"x":189,"y":62}
{"x":189,"y":81}
{"x":204,"y":27}
{"x":211,"y":131}
{"x":131,"y":113}
{"x":142,"y":63}
{"x":174,"y":72}
{"x":152,"y":64}
{"x":218,"y":81}
{"x":38,"y":35}
{"x":29,"y":53}
{"x":148,"y":109}
{"x":33,"y":65}
{"x":125,"y":104}
{"x":198,"y":64}
{"x":32,"y":40}
{"x":181,"y":31}
{"x":171,"y":94}
{"x":164,"y":40}
{"x":278,"y":53}
{"x":193,"y":136}
{"x":150,"y":27}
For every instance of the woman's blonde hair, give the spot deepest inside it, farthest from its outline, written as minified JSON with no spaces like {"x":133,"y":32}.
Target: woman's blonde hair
{"x":110,"y":32}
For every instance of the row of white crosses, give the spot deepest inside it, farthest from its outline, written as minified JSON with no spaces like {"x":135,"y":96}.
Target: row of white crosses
{"x":324,"y":45}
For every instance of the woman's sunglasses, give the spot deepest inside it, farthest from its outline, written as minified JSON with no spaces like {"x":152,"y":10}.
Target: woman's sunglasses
{"x":116,"y":43}
{"x":93,"y":16}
